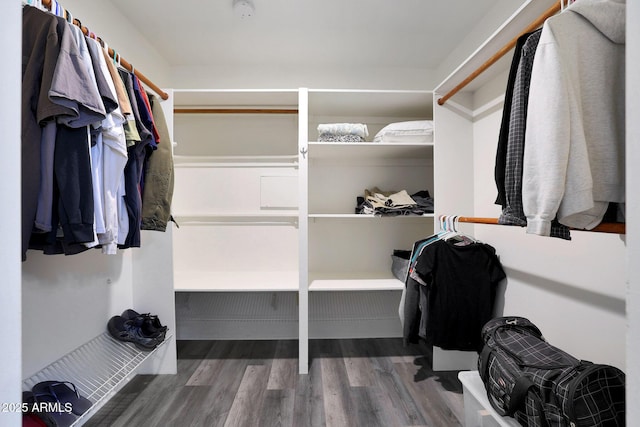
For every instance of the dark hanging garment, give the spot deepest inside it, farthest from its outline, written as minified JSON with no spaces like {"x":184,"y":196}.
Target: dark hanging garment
{"x":501,"y":155}
{"x":41,"y":36}
{"x":137,"y":152}
{"x":461,"y":283}
{"x":159,"y":177}
{"x":512,"y":208}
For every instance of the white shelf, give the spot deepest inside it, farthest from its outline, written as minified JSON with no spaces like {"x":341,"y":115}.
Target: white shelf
{"x":367,"y":217}
{"x":406,"y":104}
{"x":360,"y":150}
{"x":182,"y":161}
{"x":231,"y":218}
{"x":235,"y":281}
{"x":354,"y":282}
{"x":520,"y":19}
{"x":238,"y":98}
{"x":98,"y":369}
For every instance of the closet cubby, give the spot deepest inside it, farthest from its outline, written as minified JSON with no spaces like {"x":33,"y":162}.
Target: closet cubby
{"x":236,"y":204}
{"x":347,"y":285}
{"x":350,"y":251}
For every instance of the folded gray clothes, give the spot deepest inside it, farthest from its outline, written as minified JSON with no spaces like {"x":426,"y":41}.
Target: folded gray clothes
{"x":329,"y":137}
{"x":358,"y":129}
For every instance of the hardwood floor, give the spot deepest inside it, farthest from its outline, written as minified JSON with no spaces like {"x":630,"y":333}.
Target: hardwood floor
{"x":355,"y":382}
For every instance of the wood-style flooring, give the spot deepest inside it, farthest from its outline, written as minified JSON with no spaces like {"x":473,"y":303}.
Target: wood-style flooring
{"x":351,"y":382}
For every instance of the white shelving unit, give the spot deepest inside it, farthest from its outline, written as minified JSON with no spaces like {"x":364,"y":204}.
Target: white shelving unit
{"x":346,"y":261}
{"x":269,"y":244}
{"x":236,"y":203}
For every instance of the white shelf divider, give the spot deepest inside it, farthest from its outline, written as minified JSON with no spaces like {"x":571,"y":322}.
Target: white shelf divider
{"x":182,"y":161}
{"x":235,"y":281}
{"x":354,"y":282}
{"x":381,"y":150}
{"x":367,"y":217}
{"x":238,"y":218}
{"x":98,"y":369}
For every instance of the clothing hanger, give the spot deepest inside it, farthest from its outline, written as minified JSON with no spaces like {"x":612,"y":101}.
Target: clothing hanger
{"x":454,"y":235}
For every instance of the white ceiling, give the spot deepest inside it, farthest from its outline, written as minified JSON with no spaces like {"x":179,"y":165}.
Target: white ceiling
{"x":359,"y":33}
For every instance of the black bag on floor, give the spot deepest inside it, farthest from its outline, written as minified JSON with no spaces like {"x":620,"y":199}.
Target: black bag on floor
{"x":541,"y":385}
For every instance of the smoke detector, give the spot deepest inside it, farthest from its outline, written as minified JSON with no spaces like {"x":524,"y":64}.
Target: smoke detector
{"x":243,"y":8}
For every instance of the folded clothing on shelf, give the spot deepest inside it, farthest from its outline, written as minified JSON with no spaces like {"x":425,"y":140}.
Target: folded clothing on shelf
{"x":342,"y":132}
{"x":394,"y":203}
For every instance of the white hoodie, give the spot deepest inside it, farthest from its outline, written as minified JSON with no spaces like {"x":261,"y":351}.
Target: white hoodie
{"x":574,"y":142}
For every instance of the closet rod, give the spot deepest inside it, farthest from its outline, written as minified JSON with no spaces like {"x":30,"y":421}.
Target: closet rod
{"x":234,"y":111}
{"x":506,"y":48}
{"x":121,"y":60}
{"x":605,"y":227}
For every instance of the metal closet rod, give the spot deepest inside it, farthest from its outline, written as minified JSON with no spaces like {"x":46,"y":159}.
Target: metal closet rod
{"x":605,"y":227}
{"x":506,"y":48}
{"x":121,"y":60}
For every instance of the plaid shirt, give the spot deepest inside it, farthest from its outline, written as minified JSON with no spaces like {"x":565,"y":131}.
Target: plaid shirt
{"x":513,"y":212}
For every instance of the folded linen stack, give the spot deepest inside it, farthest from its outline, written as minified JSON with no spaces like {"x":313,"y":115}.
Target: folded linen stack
{"x":342,"y":132}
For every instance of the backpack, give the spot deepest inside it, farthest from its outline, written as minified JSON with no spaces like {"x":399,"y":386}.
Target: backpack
{"x":540,"y":385}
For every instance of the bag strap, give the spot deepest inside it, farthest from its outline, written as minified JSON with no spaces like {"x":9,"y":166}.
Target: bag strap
{"x":484,"y":360}
{"x":518,"y":396}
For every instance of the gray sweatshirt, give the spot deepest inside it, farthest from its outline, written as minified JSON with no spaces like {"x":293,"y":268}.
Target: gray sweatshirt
{"x":574,"y":142}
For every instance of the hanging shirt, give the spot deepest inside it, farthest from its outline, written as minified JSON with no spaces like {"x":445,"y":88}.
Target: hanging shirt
{"x":136,"y":151}
{"x":47,"y":45}
{"x":461,"y":282}
{"x":109,"y":157}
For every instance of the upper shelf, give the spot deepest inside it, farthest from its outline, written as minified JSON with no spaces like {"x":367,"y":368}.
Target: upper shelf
{"x":512,"y":28}
{"x":236,"y":98}
{"x":360,"y":150}
{"x":406,"y":104}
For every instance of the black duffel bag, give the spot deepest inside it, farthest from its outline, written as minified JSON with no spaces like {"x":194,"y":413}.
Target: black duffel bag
{"x":541,"y":385}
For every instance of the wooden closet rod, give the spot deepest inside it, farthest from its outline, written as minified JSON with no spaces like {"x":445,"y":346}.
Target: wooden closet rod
{"x":121,"y":60}
{"x":506,"y":48}
{"x":234,"y":111}
{"x":605,"y":227}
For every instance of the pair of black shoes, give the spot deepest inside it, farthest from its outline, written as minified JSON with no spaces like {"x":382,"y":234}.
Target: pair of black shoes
{"x":145,"y":331}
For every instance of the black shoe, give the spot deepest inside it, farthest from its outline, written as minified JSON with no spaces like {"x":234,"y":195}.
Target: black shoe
{"x":149,"y":324}
{"x":126,"y":330}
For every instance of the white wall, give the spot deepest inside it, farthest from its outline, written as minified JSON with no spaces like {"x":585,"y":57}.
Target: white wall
{"x":120,"y":34}
{"x":266,"y":76}
{"x":10,"y":257}
{"x":67,"y":300}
